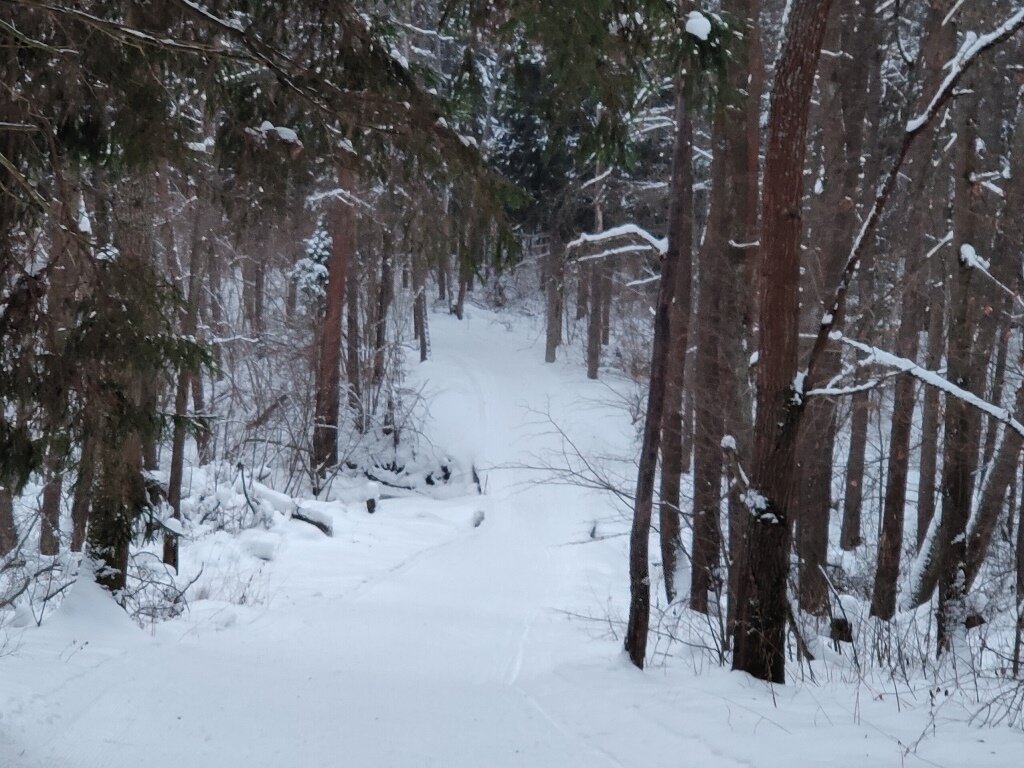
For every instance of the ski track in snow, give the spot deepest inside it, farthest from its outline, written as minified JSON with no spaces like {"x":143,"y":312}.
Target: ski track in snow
{"x":413,"y":638}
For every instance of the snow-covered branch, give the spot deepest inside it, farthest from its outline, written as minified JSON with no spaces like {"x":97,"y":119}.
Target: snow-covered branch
{"x":973,"y":45}
{"x":969,"y":257}
{"x":660,"y":244}
{"x":965,"y":58}
{"x":933,"y":379}
{"x":619,"y":251}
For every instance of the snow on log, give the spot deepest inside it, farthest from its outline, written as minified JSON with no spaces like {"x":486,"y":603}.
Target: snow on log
{"x":315,"y":518}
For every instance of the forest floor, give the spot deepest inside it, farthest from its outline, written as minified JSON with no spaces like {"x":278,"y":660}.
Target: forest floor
{"x":474,"y":632}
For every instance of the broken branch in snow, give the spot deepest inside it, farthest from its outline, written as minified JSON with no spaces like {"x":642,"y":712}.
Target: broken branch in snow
{"x":315,"y":519}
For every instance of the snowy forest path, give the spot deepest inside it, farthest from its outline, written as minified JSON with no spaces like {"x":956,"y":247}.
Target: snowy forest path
{"x":426,"y":650}
{"x":479,"y":631}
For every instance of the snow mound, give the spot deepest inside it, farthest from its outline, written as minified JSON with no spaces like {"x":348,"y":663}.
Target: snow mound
{"x":91,"y":611}
{"x":697,"y":24}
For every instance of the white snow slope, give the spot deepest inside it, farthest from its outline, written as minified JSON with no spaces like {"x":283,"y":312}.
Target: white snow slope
{"x":413,"y":638}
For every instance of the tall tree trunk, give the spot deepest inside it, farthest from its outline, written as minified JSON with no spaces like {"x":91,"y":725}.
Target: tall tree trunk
{"x":120,"y":498}
{"x":762,"y":605}
{"x":1019,"y":592}
{"x":607,"y":285}
{"x":189,"y":323}
{"x":931,"y":426}
{"x":82,"y":498}
{"x":681,"y":236}
{"x":203,"y":448}
{"x":853,"y":498}
{"x":380,"y":343}
{"x":972,"y":331}
{"x":926,"y":216}
{"x":890,"y":542}
{"x":592,"y":274}
{"x":49,"y":513}
{"x":8,"y":529}
{"x":353,"y":368}
{"x":959,"y":451}
{"x":861,"y":405}
{"x":846,"y":84}
{"x":442,"y":279}
{"x":328,"y":376}
{"x":420,"y":306}
{"x":554,"y":273}
{"x":707,"y":383}
{"x":592,"y":271}
{"x":993,"y":497}
{"x":584,"y":287}
{"x":743,"y":144}
{"x":686,"y":415}
{"x":677,"y":257}
{"x":995,"y":390}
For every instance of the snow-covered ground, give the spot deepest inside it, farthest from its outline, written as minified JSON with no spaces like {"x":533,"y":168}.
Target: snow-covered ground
{"x":477,"y":631}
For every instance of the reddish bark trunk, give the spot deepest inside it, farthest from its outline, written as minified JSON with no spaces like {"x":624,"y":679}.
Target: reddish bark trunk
{"x":762,"y":606}
{"x":328,"y":377}
{"x":681,"y":237}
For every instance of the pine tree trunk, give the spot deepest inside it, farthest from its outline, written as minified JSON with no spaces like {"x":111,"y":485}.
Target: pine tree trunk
{"x":1019,"y":592}
{"x":607,"y":285}
{"x":49,"y":517}
{"x":853,"y":499}
{"x":971,"y":335}
{"x":725,"y":287}
{"x":328,"y":376}
{"x":957,"y":461}
{"x":442,"y":280}
{"x":993,"y":497}
{"x":189,"y":327}
{"x":203,"y":447}
{"x":553,"y":287}
{"x":592,"y":273}
{"x":995,"y":390}
{"x":584,"y":287}
{"x":676,"y":257}
{"x":861,"y":406}
{"x":82,"y":498}
{"x":593,"y":277}
{"x":380,"y":344}
{"x":762,"y":604}
{"x":420,"y":306}
{"x":8,"y":529}
{"x":176,"y":473}
{"x":707,"y":383}
{"x":687,"y":418}
{"x":845,"y":83}
{"x":459,"y":308}
{"x":120,"y":498}
{"x":890,"y":542}
{"x":931,"y":426}
{"x":681,"y":237}
{"x":353,"y":368}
